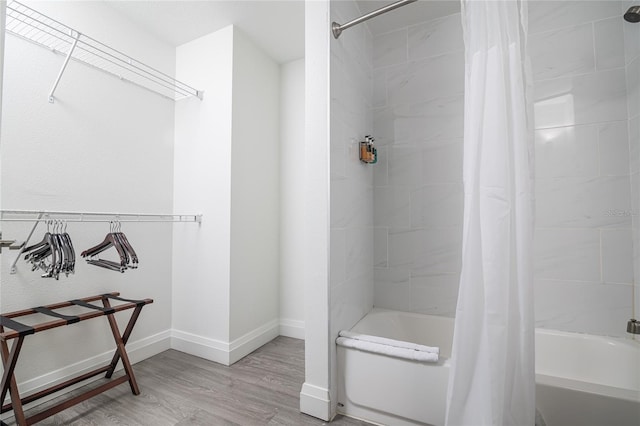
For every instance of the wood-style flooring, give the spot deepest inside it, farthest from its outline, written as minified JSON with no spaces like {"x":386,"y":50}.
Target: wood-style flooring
{"x":179,"y":389}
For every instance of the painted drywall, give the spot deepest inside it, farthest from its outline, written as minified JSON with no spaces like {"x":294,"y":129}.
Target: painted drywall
{"x":255,"y":192}
{"x":292,"y":194}
{"x":202,"y":181}
{"x":226,"y":160}
{"x":104,"y":145}
{"x":314,"y":396}
{"x":343,"y":75}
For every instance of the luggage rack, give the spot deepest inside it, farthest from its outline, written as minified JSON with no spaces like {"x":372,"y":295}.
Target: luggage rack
{"x":18,"y":331}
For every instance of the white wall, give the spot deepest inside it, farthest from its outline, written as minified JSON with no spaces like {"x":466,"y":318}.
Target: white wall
{"x":314,"y":396}
{"x":104,"y":145}
{"x":202,"y":182}
{"x":255,"y":194}
{"x":226,"y":273}
{"x":292,"y":193}
{"x":342,"y":72}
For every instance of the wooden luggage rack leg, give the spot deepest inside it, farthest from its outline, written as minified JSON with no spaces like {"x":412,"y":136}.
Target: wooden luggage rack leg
{"x":19,"y":331}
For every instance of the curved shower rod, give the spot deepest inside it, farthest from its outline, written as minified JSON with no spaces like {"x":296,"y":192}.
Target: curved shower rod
{"x":337,"y":28}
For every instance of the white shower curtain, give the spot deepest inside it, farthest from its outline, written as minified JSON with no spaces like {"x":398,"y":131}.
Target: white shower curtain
{"x":492,"y":379}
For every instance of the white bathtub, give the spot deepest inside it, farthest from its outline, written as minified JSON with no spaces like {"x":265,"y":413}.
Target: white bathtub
{"x":581,"y":379}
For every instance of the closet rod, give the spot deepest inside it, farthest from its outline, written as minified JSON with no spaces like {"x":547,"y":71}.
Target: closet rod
{"x":74,"y":216}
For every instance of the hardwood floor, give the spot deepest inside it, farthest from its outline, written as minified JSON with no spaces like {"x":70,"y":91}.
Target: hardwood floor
{"x":179,"y":389}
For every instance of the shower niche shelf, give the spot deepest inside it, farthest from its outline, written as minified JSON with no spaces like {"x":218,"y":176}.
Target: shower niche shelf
{"x":35,"y":27}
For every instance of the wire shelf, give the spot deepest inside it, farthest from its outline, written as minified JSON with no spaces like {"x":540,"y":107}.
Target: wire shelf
{"x":33,"y":26}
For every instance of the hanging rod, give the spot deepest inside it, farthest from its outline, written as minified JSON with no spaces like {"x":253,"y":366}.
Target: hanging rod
{"x":35,"y":27}
{"x":337,"y":28}
{"x":69,"y":216}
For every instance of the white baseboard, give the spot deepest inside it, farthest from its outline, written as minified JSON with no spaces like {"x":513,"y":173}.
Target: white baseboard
{"x":203,"y":347}
{"x":220,"y":351}
{"x":292,"y":328}
{"x":315,"y":401}
{"x":244,"y":345}
{"x":137,"y":350}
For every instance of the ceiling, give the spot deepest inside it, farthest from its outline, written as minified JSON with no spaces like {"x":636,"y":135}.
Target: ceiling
{"x":276,"y":26}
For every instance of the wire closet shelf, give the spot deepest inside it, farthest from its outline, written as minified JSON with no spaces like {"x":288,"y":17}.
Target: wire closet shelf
{"x":35,"y":27}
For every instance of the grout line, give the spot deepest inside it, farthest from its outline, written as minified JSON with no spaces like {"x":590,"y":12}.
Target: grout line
{"x":593,"y":43}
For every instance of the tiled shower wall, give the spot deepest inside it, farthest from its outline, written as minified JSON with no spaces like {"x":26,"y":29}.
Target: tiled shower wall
{"x":418,"y":123}
{"x":632,"y":66}
{"x":351,"y":199}
{"x":584,"y":249}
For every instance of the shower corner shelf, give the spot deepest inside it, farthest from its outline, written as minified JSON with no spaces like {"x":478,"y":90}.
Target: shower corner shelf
{"x":35,"y":27}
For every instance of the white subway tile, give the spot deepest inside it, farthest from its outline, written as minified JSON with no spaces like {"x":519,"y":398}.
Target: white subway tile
{"x":430,"y":78}
{"x":404,"y":165}
{"x":617,"y":256}
{"x":436,"y":37}
{"x":338,"y":149}
{"x":633,"y":87}
{"x":392,"y":206}
{"x":435,"y":294}
{"x":381,"y":168}
{"x":379,"y":88}
{"x":634,"y":144}
{"x":562,"y":53}
{"x":380,"y":257}
{"x":584,"y":307}
{"x":351,"y":203}
{"x":567,"y":152}
{"x":631,"y":40}
{"x":613,"y":144}
{"x":437,"y":206}
{"x":442,"y":161}
{"x":440,"y":118}
{"x":552,"y":15}
{"x":390,"y":48}
{"x":583,"y":202}
{"x":437,"y":251}
{"x":584,"y":99}
{"x":338,"y":255}
{"x":359,"y":250}
{"x":392,"y":289}
{"x":567,"y":254}
{"x":609,"y":42}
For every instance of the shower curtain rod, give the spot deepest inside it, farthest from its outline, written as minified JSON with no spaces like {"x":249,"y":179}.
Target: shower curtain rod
{"x":337,"y":28}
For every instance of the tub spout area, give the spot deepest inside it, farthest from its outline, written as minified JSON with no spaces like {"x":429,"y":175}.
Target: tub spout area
{"x":633,"y":326}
